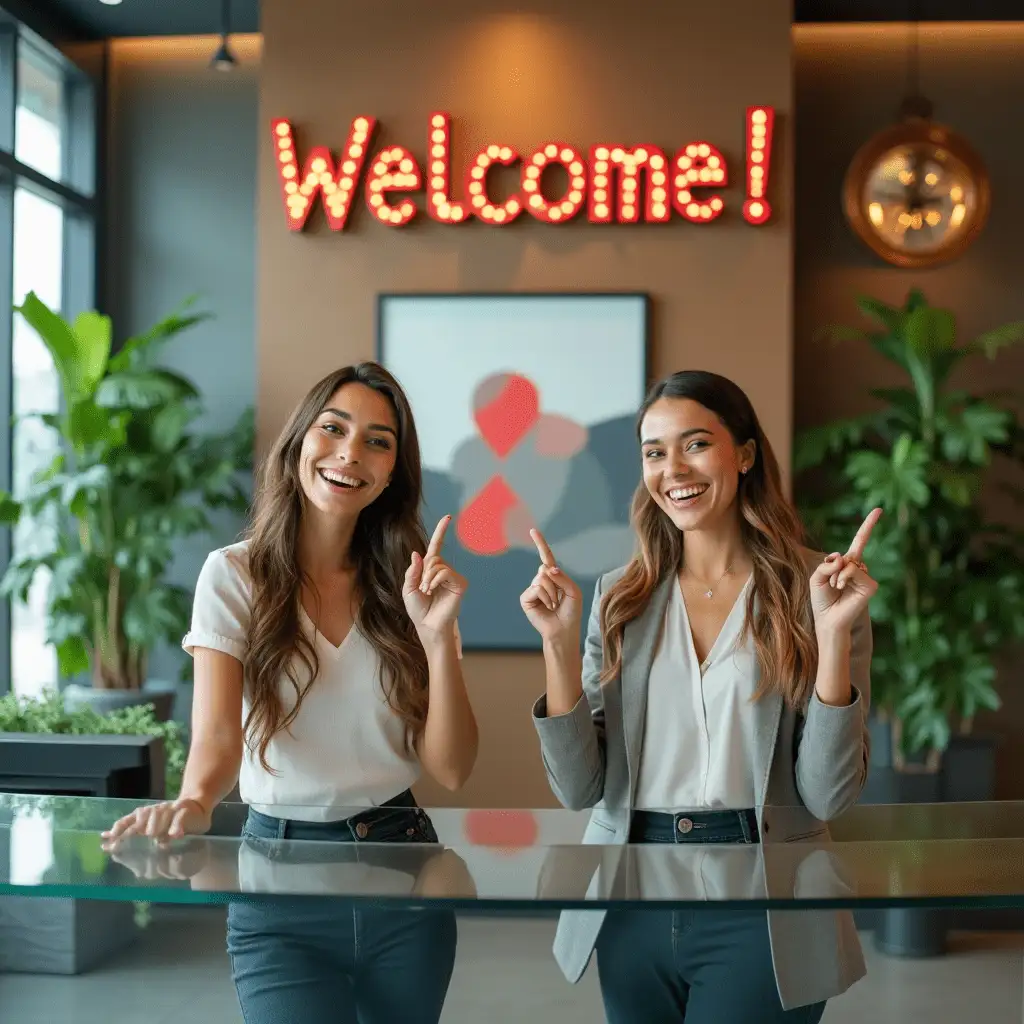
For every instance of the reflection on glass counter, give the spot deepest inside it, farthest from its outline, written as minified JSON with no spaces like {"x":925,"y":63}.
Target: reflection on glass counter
{"x":900,"y":855}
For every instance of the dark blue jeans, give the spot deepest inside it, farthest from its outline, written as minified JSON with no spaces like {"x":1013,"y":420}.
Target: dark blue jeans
{"x":306,"y":960}
{"x":701,"y":966}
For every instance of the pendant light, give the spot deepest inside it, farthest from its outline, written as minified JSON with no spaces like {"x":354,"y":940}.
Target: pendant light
{"x":916,"y":193}
{"x":224,"y":59}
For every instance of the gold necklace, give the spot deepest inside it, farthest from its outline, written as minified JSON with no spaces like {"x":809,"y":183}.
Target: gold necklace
{"x":710,"y":592}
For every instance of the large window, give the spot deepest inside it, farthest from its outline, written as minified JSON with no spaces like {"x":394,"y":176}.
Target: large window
{"x":39,"y":121}
{"x":38,"y":267}
{"x":47,"y":147}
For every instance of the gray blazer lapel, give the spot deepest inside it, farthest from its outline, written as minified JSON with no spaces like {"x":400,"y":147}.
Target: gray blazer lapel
{"x":768,"y":715}
{"x":766,"y":733}
{"x":639,"y":641}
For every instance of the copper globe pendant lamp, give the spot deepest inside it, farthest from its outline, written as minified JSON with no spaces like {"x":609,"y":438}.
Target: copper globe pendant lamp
{"x":917,"y":193}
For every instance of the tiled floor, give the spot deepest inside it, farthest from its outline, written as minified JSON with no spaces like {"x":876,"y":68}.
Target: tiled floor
{"x":177,"y":973}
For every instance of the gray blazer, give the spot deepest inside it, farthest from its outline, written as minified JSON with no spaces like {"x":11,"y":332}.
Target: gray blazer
{"x":811,"y":767}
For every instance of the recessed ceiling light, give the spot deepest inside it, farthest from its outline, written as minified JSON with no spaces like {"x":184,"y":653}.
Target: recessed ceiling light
{"x":110,"y":3}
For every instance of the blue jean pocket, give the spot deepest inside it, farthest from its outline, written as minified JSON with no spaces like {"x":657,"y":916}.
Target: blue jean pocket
{"x":257,"y":826}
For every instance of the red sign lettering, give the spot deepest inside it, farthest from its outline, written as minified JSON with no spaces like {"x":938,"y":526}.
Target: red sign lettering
{"x":614,"y":183}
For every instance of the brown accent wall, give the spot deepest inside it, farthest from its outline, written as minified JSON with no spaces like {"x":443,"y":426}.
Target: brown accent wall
{"x":849,"y":81}
{"x":585,"y":72}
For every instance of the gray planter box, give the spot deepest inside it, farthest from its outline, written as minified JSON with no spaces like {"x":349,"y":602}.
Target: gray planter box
{"x":113,"y":766}
{"x":966,"y":774}
{"x":43,"y":935}
{"x":52,"y":935}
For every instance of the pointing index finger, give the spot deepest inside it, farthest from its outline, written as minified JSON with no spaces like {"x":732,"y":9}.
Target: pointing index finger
{"x":434,"y":547}
{"x":860,"y":541}
{"x":547,"y":557}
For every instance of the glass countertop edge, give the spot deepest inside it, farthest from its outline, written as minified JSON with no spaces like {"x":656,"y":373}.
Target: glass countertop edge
{"x":500,"y":904}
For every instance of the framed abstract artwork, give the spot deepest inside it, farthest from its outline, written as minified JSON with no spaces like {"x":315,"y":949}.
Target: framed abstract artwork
{"x":525,"y":407}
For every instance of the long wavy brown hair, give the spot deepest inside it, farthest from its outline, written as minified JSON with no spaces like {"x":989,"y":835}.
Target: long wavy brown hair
{"x":778,"y":606}
{"x":386,"y":534}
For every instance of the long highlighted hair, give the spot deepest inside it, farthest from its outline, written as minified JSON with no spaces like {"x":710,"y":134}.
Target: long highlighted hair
{"x":386,"y":534}
{"x":778,"y":606}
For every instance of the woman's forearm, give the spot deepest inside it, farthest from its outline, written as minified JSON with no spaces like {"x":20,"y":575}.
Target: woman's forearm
{"x":831,"y":763}
{"x":832,"y":682}
{"x":448,"y":746}
{"x":563,"y":666}
{"x":211,"y":770}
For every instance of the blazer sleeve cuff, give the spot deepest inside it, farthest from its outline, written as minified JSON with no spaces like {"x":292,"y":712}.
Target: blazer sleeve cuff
{"x":835,"y":720}
{"x":562,"y":732}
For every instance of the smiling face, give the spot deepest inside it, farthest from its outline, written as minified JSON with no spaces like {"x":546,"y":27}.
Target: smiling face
{"x":691,"y":462}
{"x":349,"y":452}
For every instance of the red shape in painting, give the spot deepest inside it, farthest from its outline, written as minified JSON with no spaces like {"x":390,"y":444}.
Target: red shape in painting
{"x":505,"y":408}
{"x":506,"y":831}
{"x":480,"y":526}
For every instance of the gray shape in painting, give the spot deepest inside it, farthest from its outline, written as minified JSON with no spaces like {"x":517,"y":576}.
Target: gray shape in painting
{"x":596,"y":550}
{"x":615,"y":441}
{"x":473,"y":465}
{"x":587,"y":499}
{"x":541,"y":483}
{"x":440,"y":498}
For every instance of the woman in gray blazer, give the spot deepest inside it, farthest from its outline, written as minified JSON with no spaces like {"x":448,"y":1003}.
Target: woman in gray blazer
{"x":722,"y":698}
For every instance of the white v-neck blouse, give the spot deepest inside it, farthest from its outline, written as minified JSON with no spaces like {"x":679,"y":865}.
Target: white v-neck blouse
{"x":698,"y":737}
{"x":345,"y":749}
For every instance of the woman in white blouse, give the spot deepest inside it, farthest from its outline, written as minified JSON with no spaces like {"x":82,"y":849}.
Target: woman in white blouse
{"x":327,"y":675}
{"x":721,"y":698}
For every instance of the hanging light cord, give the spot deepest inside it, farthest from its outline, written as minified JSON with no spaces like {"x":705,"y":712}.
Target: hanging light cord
{"x":913,"y":54}
{"x":914,"y":103}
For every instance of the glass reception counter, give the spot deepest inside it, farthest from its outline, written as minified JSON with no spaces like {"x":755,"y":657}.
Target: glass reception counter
{"x":917,"y":875}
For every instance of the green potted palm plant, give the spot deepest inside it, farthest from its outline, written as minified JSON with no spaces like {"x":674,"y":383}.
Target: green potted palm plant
{"x":132,"y":477}
{"x":951,"y":581}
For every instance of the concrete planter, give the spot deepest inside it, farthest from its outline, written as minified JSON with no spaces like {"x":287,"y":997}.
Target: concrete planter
{"x":162,"y":695}
{"x":964,"y":772}
{"x":43,"y":935}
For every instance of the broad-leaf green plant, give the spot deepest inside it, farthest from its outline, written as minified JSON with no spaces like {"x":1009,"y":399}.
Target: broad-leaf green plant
{"x":132,"y":477}
{"x":951,"y":582}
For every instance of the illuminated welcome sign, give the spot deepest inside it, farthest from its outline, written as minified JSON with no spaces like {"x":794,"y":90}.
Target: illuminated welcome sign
{"x":614,"y":183}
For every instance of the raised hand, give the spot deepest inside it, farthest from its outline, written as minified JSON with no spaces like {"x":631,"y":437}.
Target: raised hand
{"x":552,"y":602}
{"x":841,"y":586}
{"x":433,"y":589}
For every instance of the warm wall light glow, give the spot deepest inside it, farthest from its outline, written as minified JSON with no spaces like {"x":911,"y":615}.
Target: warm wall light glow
{"x":476,"y":186}
{"x":571,"y":203}
{"x":617,"y":174}
{"x":392,"y":170}
{"x":440,"y":205}
{"x":760,"y":122}
{"x":698,"y":167}
{"x":319,"y":176}
{"x":182,"y":52}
